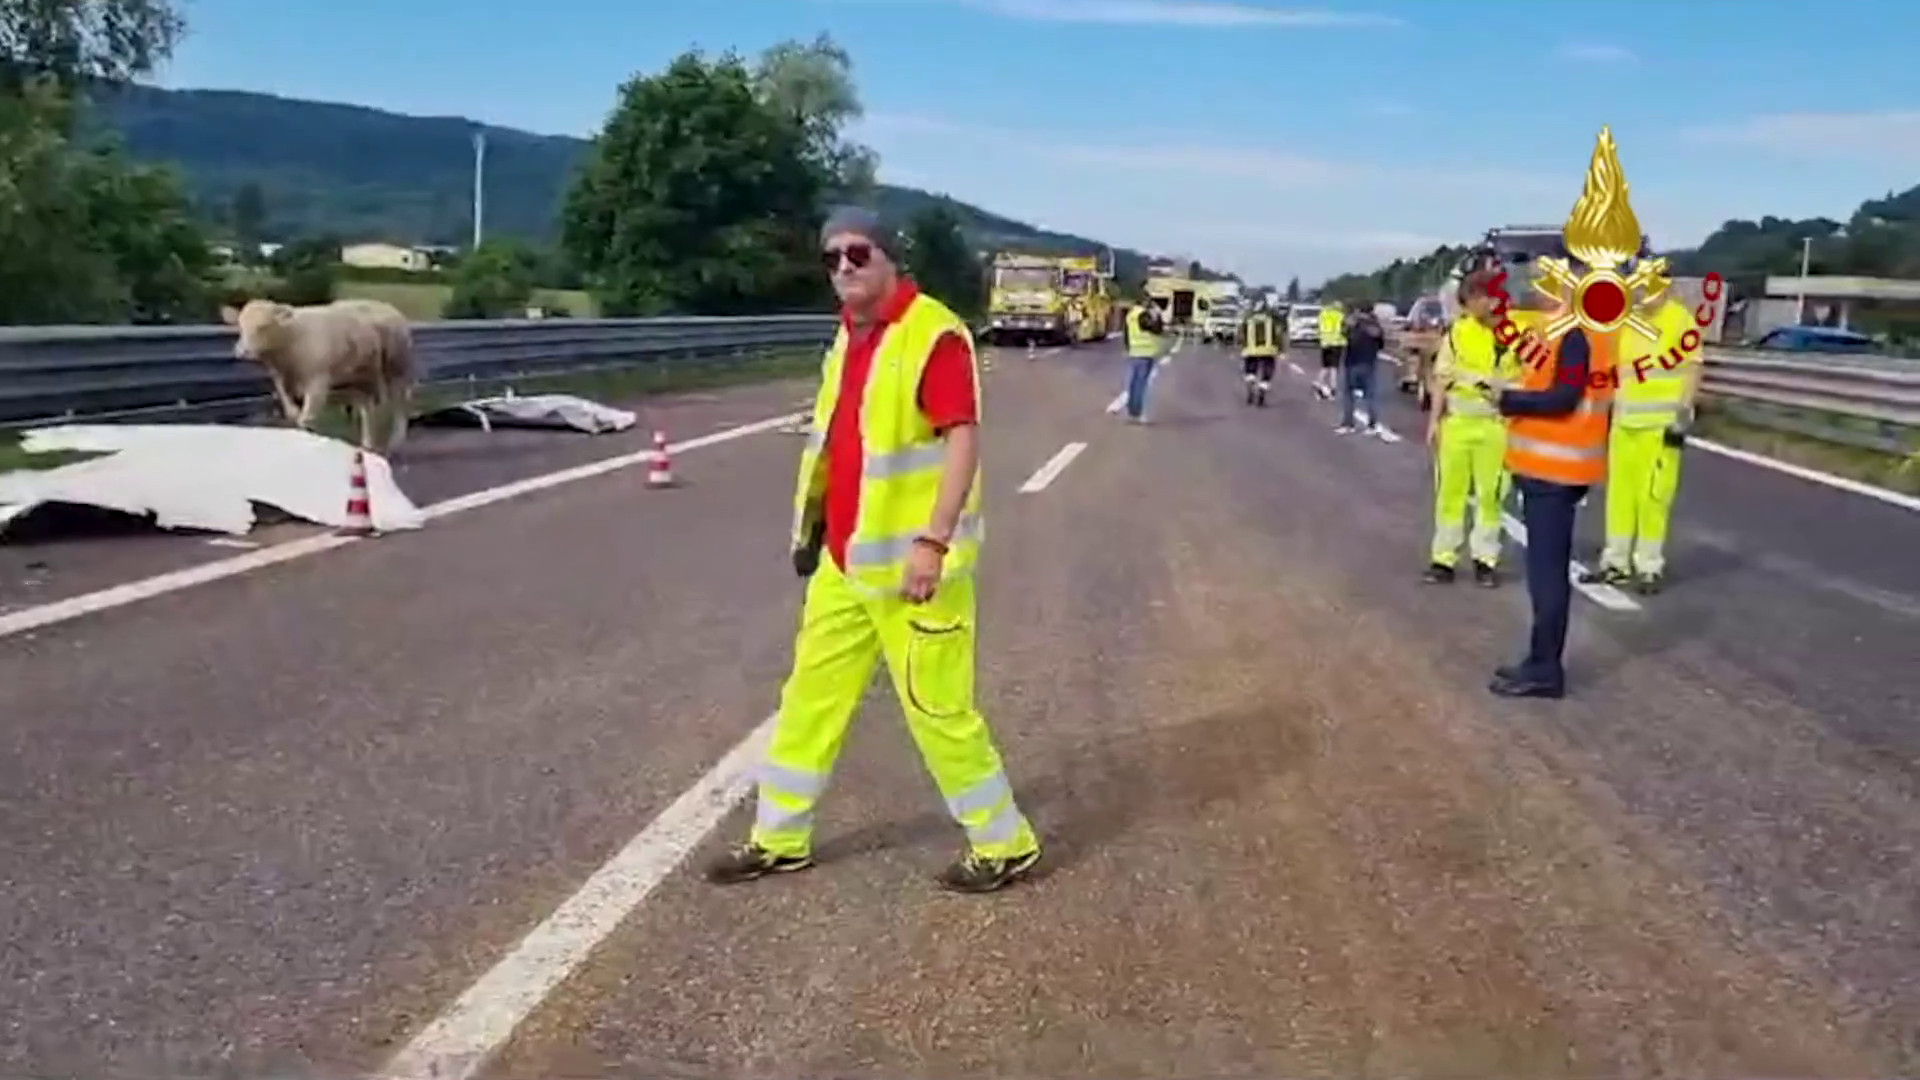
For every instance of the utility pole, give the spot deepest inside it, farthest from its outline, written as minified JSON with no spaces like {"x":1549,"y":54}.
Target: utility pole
{"x":479,"y":182}
{"x":1806,"y":260}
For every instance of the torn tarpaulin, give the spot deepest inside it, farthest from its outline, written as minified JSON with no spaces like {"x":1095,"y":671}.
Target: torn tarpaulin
{"x":203,"y":476}
{"x":553,"y":411}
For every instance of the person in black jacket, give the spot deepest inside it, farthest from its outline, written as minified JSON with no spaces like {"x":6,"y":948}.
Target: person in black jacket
{"x":1358,"y":366}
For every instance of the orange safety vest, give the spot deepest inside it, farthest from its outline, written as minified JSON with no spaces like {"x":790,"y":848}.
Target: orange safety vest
{"x":1570,"y":449}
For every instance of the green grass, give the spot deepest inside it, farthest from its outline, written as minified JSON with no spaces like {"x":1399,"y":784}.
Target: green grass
{"x":1867,"y":466}
{"x":13,"y":458}
{"x":421,"y":302}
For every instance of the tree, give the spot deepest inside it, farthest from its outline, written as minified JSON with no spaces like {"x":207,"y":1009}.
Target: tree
{"x":494,"y":282}
{"x":943,"y":263}
{"x":1293,"y":290}
{"x":75,"y":42}
{"x":813,"y":85}
{"x":248,"y":217}
{"x":85,"y":235}
{"x":697,"y":197}
{"x":309,"y":269}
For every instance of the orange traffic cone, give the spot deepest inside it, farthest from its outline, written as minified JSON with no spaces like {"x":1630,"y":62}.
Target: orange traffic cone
{"x":660,"y":472}
{"x":359,"y":506}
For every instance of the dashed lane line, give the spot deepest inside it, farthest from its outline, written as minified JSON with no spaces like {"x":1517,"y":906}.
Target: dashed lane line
{"x":1048,"y":473}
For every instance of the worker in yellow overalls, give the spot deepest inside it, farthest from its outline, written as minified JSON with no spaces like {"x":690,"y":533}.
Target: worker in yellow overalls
{"x":1333,"y":345}
{"x":1652,"y":411}
{"x":1259,"y":352}
{"x":1469,"y":437}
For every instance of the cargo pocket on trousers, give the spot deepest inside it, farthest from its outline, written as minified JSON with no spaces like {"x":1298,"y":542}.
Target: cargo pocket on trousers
{"x":1666,"y":476}
{"x":939,"y":674}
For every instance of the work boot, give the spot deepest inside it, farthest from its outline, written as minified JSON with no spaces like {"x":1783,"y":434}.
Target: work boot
{"x":1438,"y":574}
{"x":1485,"y":576}
{"x":976,"y":873}
{"x":1251,"y":393}
{"x":1606,"y":575}
{"x":1514,"y":684}
{"x":750,"y":861}
{"x":1651,"y":584}
{"x":1260,"y":398}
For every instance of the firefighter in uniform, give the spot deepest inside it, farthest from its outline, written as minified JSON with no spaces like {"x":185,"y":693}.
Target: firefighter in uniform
{"x":1468,"y":437}
{"x":1556,"y":451}
{"x":1652,"y":411}
{"x":1259,"y":352}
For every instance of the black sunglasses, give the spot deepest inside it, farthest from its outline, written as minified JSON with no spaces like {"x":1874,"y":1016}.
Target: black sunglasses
{"x":858,"y":255}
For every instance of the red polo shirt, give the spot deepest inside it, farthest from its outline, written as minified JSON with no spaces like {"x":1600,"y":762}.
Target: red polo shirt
{"x":948,"y":397}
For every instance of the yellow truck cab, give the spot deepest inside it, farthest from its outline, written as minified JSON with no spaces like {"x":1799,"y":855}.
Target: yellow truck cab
{"x":1089,"y":296}
{"x":1027,"y":301}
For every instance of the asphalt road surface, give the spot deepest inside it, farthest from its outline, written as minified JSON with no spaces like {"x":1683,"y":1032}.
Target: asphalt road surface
{"x":283,"y":821}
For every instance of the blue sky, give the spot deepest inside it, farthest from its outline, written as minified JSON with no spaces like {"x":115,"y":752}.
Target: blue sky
{"x":1270,"y":138}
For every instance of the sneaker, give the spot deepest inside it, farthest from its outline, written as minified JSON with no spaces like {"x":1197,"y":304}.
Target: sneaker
{"x":1485,"y":576}
{"x":750,"y":861}
{"x":977,"y":874}
{"x":1438,"y":574}
{"x":1606,"y":575}
{"x":1651,"y":584}
{"x":1345,"y":429}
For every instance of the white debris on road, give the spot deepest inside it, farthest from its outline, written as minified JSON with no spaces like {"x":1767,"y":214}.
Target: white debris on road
{"x":203,"y":476}
{"x":536,"y":411}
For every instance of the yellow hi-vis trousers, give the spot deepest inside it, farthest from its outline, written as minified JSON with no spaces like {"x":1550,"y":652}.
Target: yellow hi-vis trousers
{"x":1471,"y":458}
{"x":1643,"y":476}
{"x":929,"y":649}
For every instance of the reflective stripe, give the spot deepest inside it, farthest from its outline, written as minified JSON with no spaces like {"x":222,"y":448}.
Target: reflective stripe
{"x":1528,"y":445}
{"x":1002,"y":828}
{"x":788,"y":780}
{"x":900,"y":462}
{"x":1643,"y":408}
{"x":1450,"y":536}
{"x":984,"y":795}
{"x":890,"y":549}
{"x":770,"y":816}
{"x":1466,"y":406}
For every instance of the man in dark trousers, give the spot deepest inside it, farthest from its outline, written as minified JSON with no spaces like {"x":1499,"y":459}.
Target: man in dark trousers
{"x":1556,"y":451}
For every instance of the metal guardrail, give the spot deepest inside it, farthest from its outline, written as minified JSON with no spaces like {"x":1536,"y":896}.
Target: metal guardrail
{"x":1870,"y":402}
{"x":100,"y":372}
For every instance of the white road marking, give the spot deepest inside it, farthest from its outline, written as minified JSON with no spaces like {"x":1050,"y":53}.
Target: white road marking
{"x":1297,"y":369}
{"x":1605,"y":595}
{"x":1051,"y":471}
{"x":73,"y":607}
{"x":1891,"y":498}
{"x":457,"y":1044}
{"x":233,"y":542}
{"x":1119,"y":402}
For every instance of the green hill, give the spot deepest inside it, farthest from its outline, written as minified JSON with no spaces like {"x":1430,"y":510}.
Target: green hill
{"x":364,"y":174}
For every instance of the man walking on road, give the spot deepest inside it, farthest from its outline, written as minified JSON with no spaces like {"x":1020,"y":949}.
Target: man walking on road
{"x":1468,"y":438}
{"x":1146,"y":344}
{"x":1556,"y":450}
{"x":1651,"y":413}
{"x":1359,"y":367}
{"x":889,"y":487}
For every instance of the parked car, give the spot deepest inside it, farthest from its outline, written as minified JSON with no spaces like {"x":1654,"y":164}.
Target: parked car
{"x":1303,"y":324}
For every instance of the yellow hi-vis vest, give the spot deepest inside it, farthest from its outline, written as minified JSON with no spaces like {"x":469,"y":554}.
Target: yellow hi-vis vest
{"x":1653,"y":374}
{"x":1261,"y":340}
{"x":1333,"y":327}
{"x":1472,"y":355}
{"x":903,"y":455}
{"x":1139,"y":341}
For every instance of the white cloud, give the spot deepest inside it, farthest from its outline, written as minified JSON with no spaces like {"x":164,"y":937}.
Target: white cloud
{"x":1888,"y":135}
{"x":1202,"y":13}
{"x":1595,"y":52}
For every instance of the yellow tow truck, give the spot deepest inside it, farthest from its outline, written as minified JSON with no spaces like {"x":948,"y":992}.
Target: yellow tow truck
{"x":1180,"y":300}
